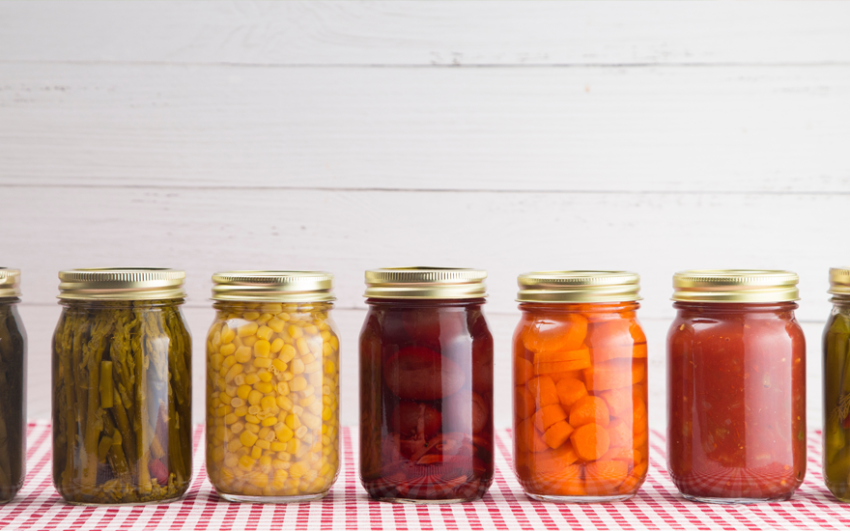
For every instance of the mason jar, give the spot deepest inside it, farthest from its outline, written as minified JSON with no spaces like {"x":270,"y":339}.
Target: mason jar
{"x":122,"y":387}
{"x":273,"y":387}
{"x":736,"y":386}
{"x":426,"y":386}
{"x":580,"y":387}
{"x":836,"y":387}
{"x":13,"y":387}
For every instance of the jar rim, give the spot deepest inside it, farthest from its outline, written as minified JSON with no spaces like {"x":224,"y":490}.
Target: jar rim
{"x":122,"y":283}
{"x":735,"y":285}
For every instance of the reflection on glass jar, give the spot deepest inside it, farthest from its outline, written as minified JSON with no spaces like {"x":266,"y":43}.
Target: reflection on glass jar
{"x":736,"y":391}
{"x":426,"y":386}
{"x":580,"y":395}
{"x":122,"y":387}
{"x":272,"y":387}
{"x":13,"y":379}
{"x":836,"y":387}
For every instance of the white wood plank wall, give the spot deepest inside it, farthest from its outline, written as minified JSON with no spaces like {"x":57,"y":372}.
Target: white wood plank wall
{"x":348,"y":135}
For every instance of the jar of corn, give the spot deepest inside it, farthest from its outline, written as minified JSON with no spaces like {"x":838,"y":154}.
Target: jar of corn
{"x":272,"y":387}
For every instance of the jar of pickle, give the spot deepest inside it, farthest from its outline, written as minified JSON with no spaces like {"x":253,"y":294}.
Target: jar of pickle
{"x":272,"y":387}
{"x":736,"y":391}
{"x":426,"y":386}
{"x":836,"y":387}
{"x":13,"y":394}
{"x":580,"y":388}
{"x":122,"y":387}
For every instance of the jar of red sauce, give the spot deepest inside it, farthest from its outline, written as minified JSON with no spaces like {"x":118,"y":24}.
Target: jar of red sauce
{"x":736,"y":393}
{"x":580,"y":417}
{"x":426,"y":386}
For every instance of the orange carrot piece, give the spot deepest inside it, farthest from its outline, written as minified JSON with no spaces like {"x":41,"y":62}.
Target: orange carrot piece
{"x":635,"y":479}
{"x":523,"y":403}
{"x":620,"y":434}
{"x":558,"y":376}
{"x":620,"y":454}
{"x":640,"y":469}
{"x":523,"y":370}
{"x":639,"y":440}
{"x":603,"y":477}
{"x":640,"y":350}
{"x":610,"y":339}
{"x":542,"y":388}
{"x":614,"y":374}
{"x":548,"y":415}
{"x":570,"y":391}
{"x":528,"y":438}
{"x":556,"y":459}
{"x":563,"y":366}
{"x":590,"y":441}
{"x":619,"y":401}
{"x":640,"y":422}
{"x":546,"y":335}
{"x":557,"y":434}
{"x":590,"y":409}
{"x":637,"y":333}
{"x":562,"y":481}
{"x":561,"y":355}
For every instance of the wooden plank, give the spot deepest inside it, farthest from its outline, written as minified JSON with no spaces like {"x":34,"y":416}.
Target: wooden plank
{"x":348,"y":232}
{"x":40,"y":321}
{"x":426,"y":33}
{"x":540,"y":129}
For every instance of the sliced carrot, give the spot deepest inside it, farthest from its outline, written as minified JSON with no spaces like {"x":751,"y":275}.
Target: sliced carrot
{"x":640,"y":350}
{"x":619,"y":454}
{"x":558,"y":376}
{"x":548,"y":415}
{"x":638,"y":393}
{"x":528,"y":438}
{"x":637,"y":332}
{"x":554,"y":356}
{"x":614,"y":374}
{"x":523,"y":402}
{"x":639,"y":440}
{"x":639,"y":419}
{"x":590,"y":409}
{"x":640,"y":469}
{"x":619,"y":401}
{"x":557,"y":434}
{"x":555,"y":459}
{"x":570,"y":391}
{"x":523,"y":370}
{"x":546,"y":335}
{"x":542,"y":388}
{"x":610,"y":339}
{"x":603,"y":477}
{"x":563,"y":366}
{"x":562,"y":481}
{"x":629,"y":485}
{"x":590,"y":441}
{"x":620,"y":434}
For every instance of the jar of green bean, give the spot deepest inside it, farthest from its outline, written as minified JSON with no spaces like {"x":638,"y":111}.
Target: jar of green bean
{"x":836,"y":387}
{"x":13,"y":379}
{"x":122,"y":387}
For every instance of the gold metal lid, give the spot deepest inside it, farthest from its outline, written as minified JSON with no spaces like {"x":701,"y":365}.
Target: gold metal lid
{"x":839,"y":282}
{"x":425,"y":283}
{"x":121,"y":284}
{"x":578,"y":286}
{"x":10,"y":283}
{"x":735,"y":285}
{"x":273,"y":286}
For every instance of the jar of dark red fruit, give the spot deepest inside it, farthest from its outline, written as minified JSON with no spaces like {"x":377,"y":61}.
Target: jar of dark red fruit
{"x":426,"y":386}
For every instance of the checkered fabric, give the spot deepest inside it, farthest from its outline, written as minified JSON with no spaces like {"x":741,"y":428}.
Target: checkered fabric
{"x":657,"y":505}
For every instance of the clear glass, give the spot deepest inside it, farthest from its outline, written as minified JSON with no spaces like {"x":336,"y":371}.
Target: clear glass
{"x":736,"y":399}
{"x":122,"y":402}
{"x":580,"y":395}
{"x":836,"y":404}
{"x":272,"y":401}
{"x":426,"y":401}
{"x":13,"y":400}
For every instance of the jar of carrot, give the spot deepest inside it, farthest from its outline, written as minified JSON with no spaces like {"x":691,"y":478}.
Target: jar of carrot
{"x":580,"y":417}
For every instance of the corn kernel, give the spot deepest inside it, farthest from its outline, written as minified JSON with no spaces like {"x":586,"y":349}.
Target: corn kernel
{"x":234,"y":444}
{"x":265,"y":376}
{"x":299,"y":383}
{"x":283,"y":432}
{"x":279,"y":364}
{"x":276,"y":324}
{"x":230,"y":460}
{"x":256,"y":452}
{"x":277,"y":446}
{"x":283,"y":402}
{"x":264,"y":387}
{"x":243,"y":354}
{"x":301,"y":432}
{"x":276,"y":346}
{"x":246,"y":462}
{"x":241,"y":411}
{"x":295,"y":332}
{"x":265,"y":445}
{"x":232,"y":372}
{"x":263,"y":363}
{"x":293,"y":421}
{"x":247,"y":438}
{"x":251,"y":379}
{"x":254,"y":397}
{"x":237,"y":427}
{"x":313,"y":367}
{"x":298,"y":469}
{"x":327,"y":413}
{"x":237,"y":402}
{"x":248,"y":329}
{"x":252,"y":419}
{"x":230,"y":418}
{"x":330,"y":367}
{"x":262,"y":348}
{"x":287,"y":353}
{"x":227,"y":335}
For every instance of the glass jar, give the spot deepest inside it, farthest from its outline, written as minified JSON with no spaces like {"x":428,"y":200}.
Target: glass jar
{"x":736,"y":394}
{"x":272,"y":387}
{"x":13,"y":389}
{"x":122,"y":387}
{"x":580,"y":395}
{"x":836,"y":387}
{"x":426,"y":386}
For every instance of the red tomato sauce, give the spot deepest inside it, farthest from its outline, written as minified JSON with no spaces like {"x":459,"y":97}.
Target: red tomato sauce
{"x":426,"y":396}
{"x":736,"y":401}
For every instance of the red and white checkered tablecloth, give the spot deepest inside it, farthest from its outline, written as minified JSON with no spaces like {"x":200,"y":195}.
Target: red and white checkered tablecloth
{"x":657,"y":506}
